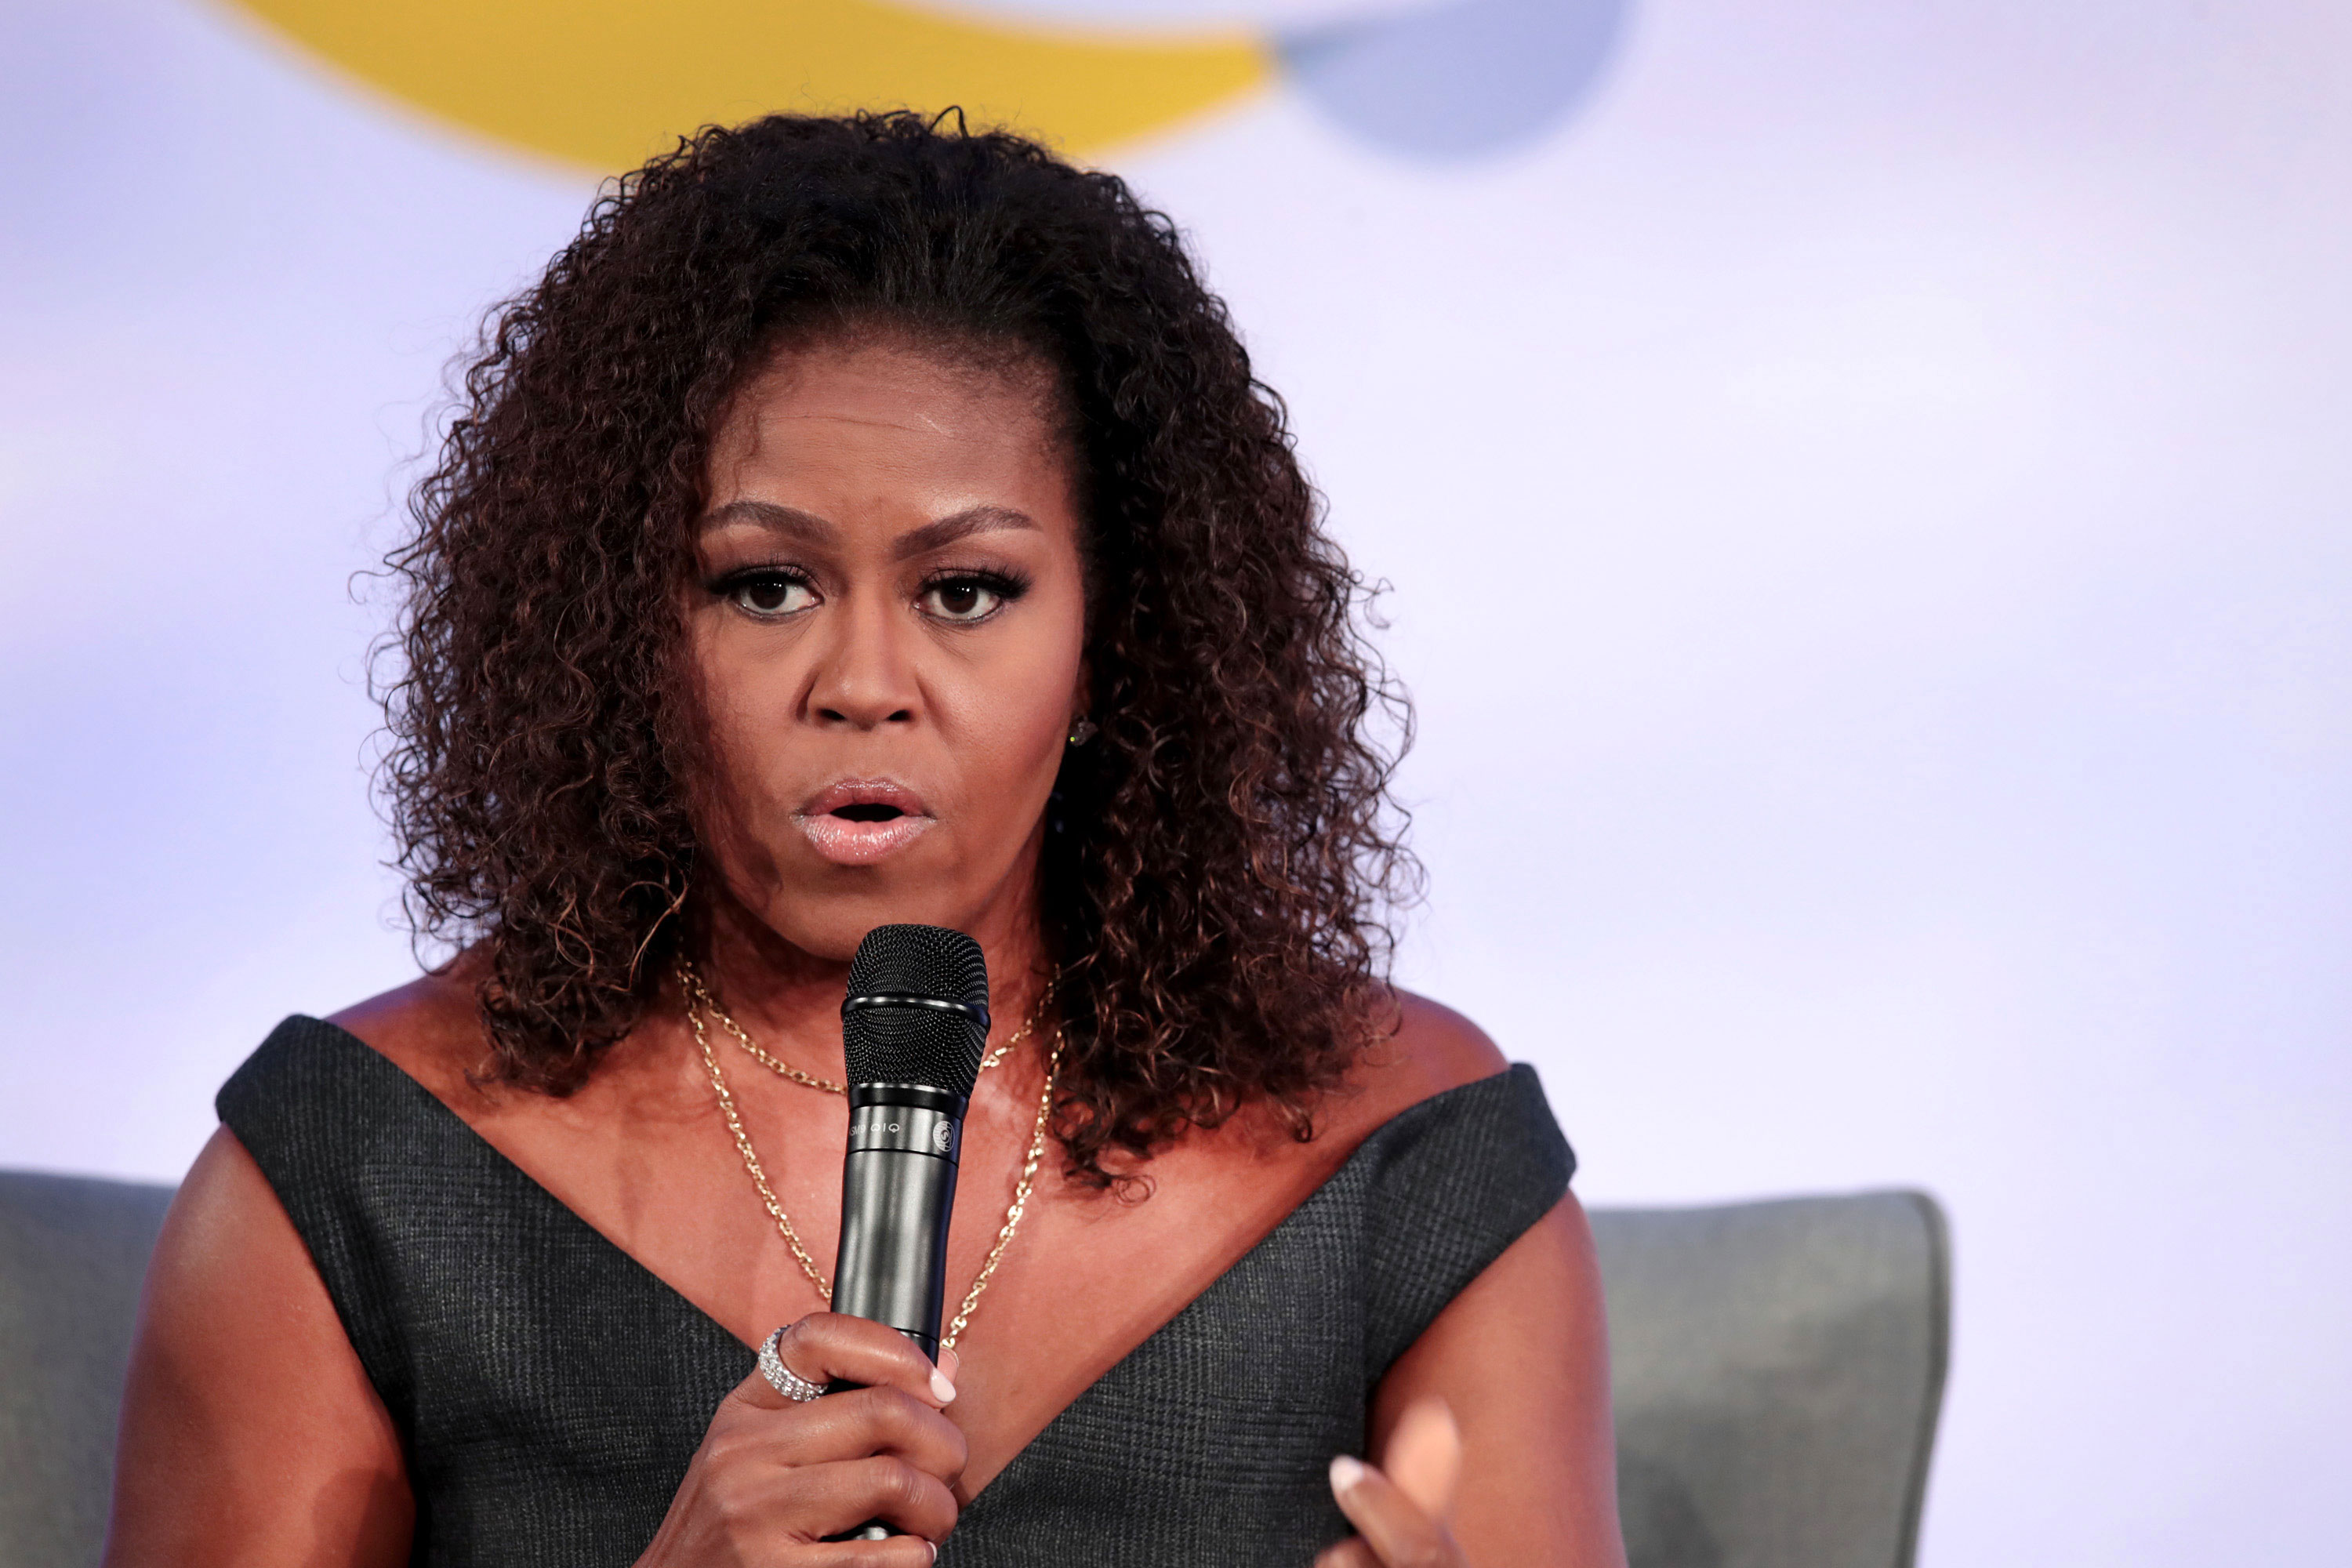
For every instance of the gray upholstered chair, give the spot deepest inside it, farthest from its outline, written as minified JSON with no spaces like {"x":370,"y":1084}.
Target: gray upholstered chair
{"x":72,"y":1254}
{"x":1779,"y":1367}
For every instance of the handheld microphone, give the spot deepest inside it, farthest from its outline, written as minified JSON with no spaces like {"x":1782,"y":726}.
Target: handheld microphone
{"x":912,"y":1030}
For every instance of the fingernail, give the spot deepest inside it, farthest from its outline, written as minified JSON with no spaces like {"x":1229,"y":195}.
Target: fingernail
{"x":1345,"y":1474}
{"x":941,"y":1389}
{"x":935,"y":1550}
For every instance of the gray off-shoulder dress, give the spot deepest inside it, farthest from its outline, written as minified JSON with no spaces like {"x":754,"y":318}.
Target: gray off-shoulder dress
{"x":548,"y":1390}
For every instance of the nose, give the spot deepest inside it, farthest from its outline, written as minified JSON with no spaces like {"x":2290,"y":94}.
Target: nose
{"x":864,"y":674}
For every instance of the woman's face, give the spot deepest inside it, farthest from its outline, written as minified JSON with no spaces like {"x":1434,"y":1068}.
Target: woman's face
{"x":887,"y":626}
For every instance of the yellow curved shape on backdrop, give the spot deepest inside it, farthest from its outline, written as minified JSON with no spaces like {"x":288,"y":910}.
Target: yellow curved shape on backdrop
{"x":606,"y":83}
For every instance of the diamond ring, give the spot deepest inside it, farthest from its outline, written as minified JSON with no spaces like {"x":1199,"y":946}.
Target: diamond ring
{"x":784,"y":1379}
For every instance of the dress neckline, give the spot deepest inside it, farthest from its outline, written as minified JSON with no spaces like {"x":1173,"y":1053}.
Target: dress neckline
{"x":630,"y":1262}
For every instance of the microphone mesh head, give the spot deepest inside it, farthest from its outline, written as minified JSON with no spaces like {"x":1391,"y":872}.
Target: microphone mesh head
{"x":927,"y":1045}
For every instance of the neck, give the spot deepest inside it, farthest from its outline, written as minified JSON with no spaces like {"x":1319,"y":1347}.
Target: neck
{"x":791,"y":998}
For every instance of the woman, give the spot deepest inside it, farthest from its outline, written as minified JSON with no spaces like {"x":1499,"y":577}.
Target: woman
{"x":866,"y":522}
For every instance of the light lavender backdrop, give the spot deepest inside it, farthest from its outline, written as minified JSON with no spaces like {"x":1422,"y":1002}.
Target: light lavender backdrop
{"x":1867,"y":502}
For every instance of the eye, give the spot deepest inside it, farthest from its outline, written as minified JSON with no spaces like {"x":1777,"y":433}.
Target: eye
{"x":968,"y":597}
{"x":770,"y":595}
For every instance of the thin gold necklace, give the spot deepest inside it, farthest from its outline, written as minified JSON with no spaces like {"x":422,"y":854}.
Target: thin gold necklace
{"x":697,"y":998}
{"x":698,"y":994}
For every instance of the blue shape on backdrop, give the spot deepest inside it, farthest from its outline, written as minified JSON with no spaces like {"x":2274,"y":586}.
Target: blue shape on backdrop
{"x":1460,"y":80}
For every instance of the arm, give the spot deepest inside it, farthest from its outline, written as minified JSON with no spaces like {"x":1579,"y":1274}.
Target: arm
{"x":251,"y":1436}
{"x":251,"y":1433}
{"x":1522,"y":1359}
{"x":1507,"y":1390}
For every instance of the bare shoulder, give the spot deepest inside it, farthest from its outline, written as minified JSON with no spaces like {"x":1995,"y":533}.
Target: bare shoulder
{"x":251,"y":1433}
{"x":1520,"y":1356}
{"x":430,"y":1029}
{"x":1433,"y":1049}
{"x":1442,"y":1048}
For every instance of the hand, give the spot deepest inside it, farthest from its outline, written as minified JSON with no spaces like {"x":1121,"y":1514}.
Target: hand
{"x":1401,"y":1512}
{"x":773,"y":1479}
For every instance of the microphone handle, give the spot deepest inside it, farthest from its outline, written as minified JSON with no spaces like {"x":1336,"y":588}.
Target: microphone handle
{"x":898,"y":1192}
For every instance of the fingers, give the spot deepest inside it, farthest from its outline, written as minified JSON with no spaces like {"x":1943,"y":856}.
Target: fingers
{"x":1399,"y":1530}
{"x":1424,"y":1456}
{"x":839,"y":1498}
{"x":1402,"y":1507}
{"x":899,"y":1551}
{"x":772,"y":1472}
{"x":1350,"y":1554}
{"x":745,"y":1502}
{"x":828,"y":1347}
{"x":862,"y":1421}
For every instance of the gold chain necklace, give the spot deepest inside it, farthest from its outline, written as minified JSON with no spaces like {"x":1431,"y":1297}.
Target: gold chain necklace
{"x":698,"y":994}
{"x":697,"y":998}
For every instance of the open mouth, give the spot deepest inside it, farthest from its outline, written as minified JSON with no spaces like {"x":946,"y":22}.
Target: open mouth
{"x":859,"y":821}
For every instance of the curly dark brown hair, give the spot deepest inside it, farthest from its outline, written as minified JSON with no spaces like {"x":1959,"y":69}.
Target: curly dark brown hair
{"x":1224,"y":855}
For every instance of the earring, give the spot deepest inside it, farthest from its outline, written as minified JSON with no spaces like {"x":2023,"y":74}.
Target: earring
{"x":1082,"y":731}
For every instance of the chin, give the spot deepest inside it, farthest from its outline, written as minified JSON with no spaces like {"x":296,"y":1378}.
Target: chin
{"x":831,"y":922}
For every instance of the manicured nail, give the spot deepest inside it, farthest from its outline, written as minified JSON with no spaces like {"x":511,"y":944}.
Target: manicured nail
{"x":941,"y":1389}
{"x":1346,"y":1474}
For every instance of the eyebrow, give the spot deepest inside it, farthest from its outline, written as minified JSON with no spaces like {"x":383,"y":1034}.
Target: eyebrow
{"x":810,"y":529}
{"x":791,"y":521}
{"x":959,"y":525}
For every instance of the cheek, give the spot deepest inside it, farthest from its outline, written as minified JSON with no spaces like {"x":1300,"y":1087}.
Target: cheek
{"x":745,"y":712}
{"x":1012,"y":718}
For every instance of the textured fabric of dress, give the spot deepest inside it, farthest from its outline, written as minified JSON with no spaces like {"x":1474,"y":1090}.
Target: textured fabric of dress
{"x":548,"y":1390}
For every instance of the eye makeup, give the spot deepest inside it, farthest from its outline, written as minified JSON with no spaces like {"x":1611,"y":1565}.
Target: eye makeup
{"x":966,"y":596}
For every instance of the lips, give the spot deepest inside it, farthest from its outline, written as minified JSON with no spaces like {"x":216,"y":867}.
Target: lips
{"x":856,"y":822}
